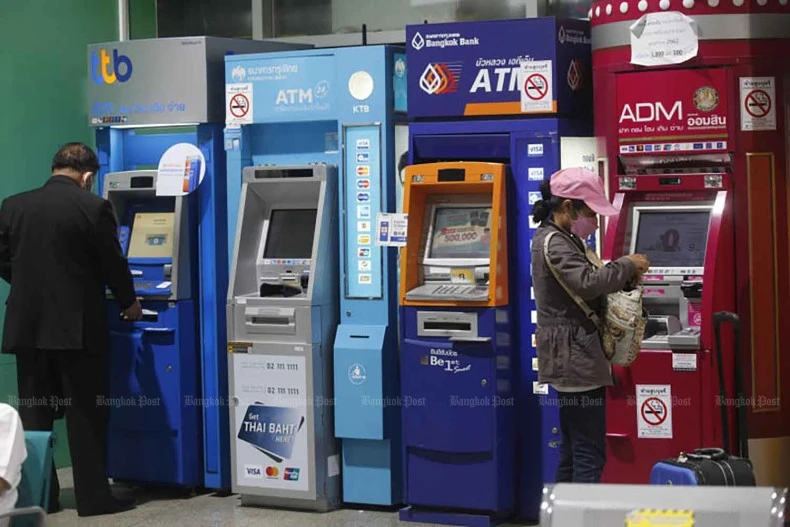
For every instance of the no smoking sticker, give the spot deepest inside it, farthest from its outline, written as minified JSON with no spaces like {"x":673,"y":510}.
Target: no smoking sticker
{"x":654,"y":411}
{"x":535,"y":81}
{"x":758,"y":104}
{"x":238,"y":104}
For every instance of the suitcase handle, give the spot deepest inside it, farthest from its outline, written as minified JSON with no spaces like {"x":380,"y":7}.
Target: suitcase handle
{"x":714,"y":454}
{"x":740,"y":426}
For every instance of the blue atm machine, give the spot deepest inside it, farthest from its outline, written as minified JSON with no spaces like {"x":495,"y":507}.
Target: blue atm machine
{"x":515,"y":92}
{"x":340,"y":107}
{"x":168,"y":410}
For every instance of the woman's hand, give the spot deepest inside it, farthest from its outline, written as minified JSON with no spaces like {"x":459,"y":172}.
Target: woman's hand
{"x":641,"y":262}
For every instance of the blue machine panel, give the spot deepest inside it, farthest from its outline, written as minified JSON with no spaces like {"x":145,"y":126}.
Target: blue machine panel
{"x":150,"y":380}
{"x":472,"y":68}
{"x":363,"y":201}
{"x":451,"y":430}
{"x":140,"y":149}
{"x":338,"y":106}
{"x":532,"y":148}
{"x":362,"y":392}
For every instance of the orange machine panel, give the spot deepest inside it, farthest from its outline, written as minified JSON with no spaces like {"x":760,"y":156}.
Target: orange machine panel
{"x":432,"y":183}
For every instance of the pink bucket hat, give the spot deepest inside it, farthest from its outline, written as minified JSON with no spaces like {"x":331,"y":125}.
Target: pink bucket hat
{"x":582,"y":184}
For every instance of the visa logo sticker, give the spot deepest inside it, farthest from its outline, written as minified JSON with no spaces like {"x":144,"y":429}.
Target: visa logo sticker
{"x":535,"y":150}
{"x":534,"y":197}
{"x":253,"y":471}
{"x":363,"y":144}
{"x":536,"y":174}
{"x":363,"y":157}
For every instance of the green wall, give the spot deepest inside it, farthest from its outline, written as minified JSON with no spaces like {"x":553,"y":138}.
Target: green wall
{"x":42,"y":97}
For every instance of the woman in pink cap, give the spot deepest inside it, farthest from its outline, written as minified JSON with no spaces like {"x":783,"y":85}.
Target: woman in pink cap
{"x":569,"y":346}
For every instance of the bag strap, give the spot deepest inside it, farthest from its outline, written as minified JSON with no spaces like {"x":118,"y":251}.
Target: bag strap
{"x":579,"y":301}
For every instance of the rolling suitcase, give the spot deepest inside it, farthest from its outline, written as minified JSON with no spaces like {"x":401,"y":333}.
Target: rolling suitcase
{"x":714,"y":466}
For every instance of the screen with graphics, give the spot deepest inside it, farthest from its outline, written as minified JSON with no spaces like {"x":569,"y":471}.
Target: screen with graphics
{"x":673,"y":238}
{"x":290,"y":234}
{"x":461,"y":232}
{"x":152,"y":235}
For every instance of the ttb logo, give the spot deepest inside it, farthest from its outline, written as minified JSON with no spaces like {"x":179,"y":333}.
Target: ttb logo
{"x":107,"y":69}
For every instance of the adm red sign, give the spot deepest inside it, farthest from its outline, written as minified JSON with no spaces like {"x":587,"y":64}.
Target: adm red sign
{"x":669,"y":105}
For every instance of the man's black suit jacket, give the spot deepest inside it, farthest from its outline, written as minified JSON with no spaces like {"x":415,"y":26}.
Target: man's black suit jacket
{"x":58,"y":249}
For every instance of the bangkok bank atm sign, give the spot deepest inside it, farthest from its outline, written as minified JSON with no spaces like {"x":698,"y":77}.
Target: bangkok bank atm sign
{"x":668,"y":106}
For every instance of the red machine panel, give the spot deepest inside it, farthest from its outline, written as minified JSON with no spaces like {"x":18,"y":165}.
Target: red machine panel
{"x":708,"y":119}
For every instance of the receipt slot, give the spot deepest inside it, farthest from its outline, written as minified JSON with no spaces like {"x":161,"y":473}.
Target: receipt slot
{"x":154,"y":361}
{"x":282,"y":315}
{"x":458,"y":430}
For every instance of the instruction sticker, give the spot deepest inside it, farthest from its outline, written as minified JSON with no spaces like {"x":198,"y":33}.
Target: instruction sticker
{"x":654,"y":411}
{"x":181,"y":170}
{"x":758,"y":104}
{"x":238,"y":104}
{"x":391,"y":229}
{"x":535,"y":79}
{"x":462,"y":275}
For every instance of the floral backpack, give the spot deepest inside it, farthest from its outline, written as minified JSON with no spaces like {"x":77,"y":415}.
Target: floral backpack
{"x":623,"y":326}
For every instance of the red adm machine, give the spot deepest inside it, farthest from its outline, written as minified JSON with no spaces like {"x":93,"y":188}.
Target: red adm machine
{"x":692,"y":107}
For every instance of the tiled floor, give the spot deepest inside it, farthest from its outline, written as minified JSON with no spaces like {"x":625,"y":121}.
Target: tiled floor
{"x":209,"y":510}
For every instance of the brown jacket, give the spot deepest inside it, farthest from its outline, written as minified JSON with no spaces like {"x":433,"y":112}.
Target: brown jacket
{"x":570,"y":353}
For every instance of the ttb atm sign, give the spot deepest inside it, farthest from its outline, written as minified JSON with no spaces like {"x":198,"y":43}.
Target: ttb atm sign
{"x":655,"y":109}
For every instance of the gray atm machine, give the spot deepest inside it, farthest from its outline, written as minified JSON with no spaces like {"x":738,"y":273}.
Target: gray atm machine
{"x":282,"y":316}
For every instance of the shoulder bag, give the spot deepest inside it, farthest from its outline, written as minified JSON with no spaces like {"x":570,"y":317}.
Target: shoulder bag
{"x":623,"y":326}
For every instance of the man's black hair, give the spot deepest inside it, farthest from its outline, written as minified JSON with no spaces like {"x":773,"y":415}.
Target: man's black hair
{"x":75,"y":156}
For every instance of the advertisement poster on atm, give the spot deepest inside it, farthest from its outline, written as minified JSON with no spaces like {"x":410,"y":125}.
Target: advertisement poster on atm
{"x":672,"y":111}
{"x":499,"y":67}
{"x":271,"y":421}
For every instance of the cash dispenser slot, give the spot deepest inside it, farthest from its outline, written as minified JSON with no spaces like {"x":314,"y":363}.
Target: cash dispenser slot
{"x":459,"y":327}
{"x":281,"y":321}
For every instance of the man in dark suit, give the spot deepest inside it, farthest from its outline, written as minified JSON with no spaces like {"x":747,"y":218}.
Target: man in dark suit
{"x":59,"y":249}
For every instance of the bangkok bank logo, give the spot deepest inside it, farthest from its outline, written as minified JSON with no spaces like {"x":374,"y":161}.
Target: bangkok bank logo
{"x":417,"y":42}
{"x":439,"y":79}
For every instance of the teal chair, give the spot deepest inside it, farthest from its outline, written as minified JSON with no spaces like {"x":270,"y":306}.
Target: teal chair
{"x":33,"y":500}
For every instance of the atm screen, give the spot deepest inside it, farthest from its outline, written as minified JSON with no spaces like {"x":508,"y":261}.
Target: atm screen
{"x":461,"y":232}
{"x":152,"y":235}
{"x":673,"y":238}
{"x":290,"y":234}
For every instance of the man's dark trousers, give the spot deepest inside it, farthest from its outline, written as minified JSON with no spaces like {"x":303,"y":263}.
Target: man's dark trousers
{"x":78,"y":382}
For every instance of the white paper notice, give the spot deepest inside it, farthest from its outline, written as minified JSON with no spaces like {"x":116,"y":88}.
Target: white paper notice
{"x":758,"y":104}
{"x":654,"y":411}
{"x":391,"y":229}
{"x":238,"y":104}
{"x":659,"y":39}
{"x":535,"y":80}
{"x":181,"y":170}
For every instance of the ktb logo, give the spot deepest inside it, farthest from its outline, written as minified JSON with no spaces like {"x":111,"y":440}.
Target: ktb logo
{"x":107,"y":69}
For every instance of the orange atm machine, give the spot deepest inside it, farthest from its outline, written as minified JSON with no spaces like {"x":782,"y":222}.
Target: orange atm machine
{"x":456,"y":351}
